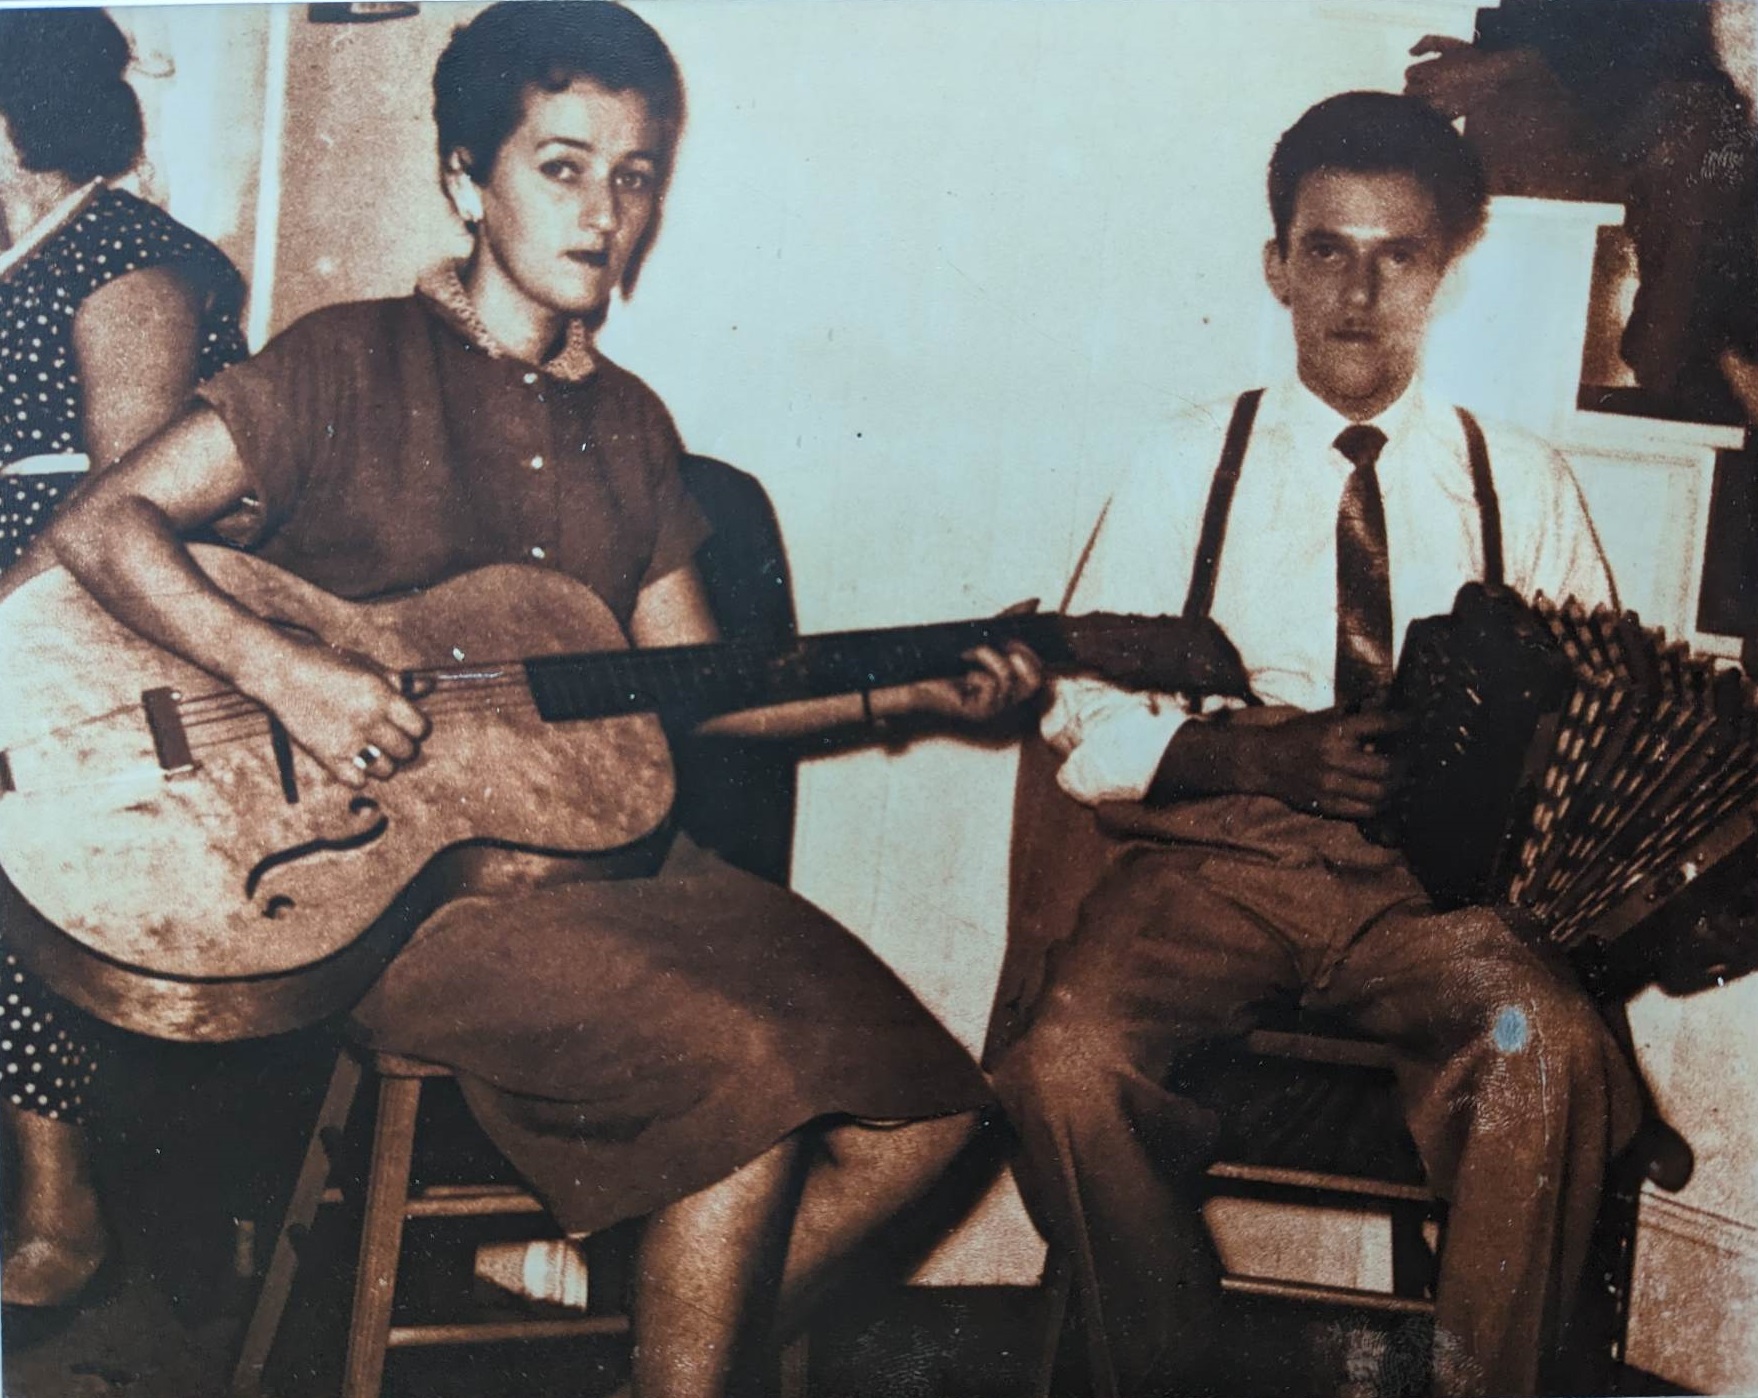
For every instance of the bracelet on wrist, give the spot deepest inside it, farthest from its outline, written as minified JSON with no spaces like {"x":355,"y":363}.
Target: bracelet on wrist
{"x":876,"y":722}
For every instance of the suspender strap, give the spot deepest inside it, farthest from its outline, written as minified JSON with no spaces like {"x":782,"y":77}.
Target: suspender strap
{"x":1489,"y":507}
{"x":1201,"y":596}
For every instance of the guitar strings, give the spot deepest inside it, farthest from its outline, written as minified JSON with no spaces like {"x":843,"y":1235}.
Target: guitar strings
{"x":255,"y":724}
{"x":230,"y":703}
{"x":248,"y":721}
{"x":455,"y":694}
{"x":225,"y":705}
{"x":240,"y":707}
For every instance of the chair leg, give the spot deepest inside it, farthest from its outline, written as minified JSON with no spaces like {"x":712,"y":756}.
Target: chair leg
{"x":1413,"y":1261}
{"x":1058,"y":1282}
{"x":381,"y":1236}
{"x":1592,"y":1350}
{"x":314,"y":1174}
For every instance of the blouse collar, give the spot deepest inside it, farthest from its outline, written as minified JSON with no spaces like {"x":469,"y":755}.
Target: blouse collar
{"x":48,"y":226}
{"x":444,"y":290}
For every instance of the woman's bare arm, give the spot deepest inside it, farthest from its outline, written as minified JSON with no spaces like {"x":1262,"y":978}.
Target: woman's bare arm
{"x":122,"y":538}
{"x":137,"y":344}
{"x":136,"y":347}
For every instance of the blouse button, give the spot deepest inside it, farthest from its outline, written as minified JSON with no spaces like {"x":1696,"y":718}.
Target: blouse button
{"x":537,"y":463}
{"x":537,"y":551}
{"x":530,"y":378}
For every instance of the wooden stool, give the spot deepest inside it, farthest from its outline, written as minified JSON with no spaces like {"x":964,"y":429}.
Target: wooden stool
{"x":389,"y":1204}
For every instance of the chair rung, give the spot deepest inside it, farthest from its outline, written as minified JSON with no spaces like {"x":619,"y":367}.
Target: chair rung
{"x":1276,"y":1289}
{"x":460,"y":1203}
{"x":1320,"y":1182}
{"x":395,"y":1065}
{"x":493,"y":1332}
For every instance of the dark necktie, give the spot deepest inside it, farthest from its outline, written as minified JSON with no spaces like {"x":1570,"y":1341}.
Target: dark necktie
{"x":1364,"y":586}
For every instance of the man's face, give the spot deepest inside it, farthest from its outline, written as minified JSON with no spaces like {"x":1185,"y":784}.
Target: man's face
{"x":1366,"y":255}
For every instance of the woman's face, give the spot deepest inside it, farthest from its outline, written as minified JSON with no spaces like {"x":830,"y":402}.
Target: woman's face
{"x":574,"y":188}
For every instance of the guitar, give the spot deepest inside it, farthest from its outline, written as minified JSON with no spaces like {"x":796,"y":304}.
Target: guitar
{"x":175,"y":865}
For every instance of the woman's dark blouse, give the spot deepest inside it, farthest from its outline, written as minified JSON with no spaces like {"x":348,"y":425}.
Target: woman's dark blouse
{"x":385,"y":452}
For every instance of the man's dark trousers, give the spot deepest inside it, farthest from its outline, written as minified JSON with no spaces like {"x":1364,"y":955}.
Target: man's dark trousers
{"x":1514,"y":1091}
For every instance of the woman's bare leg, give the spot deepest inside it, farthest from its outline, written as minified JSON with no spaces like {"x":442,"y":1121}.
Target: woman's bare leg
{"x":701,"y":1275}
{"x":58,"y":1239}
{"x":864,"y":1179}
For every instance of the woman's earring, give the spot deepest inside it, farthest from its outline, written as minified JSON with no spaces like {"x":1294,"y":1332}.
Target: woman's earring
{"x":466,"y":197}
{"x":468,"y":200}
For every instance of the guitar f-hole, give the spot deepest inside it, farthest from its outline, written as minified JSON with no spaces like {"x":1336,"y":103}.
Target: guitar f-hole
{"x":280,"y":903}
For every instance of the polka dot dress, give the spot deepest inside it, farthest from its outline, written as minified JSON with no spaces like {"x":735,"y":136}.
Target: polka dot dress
{"x":46,"y":1054}
{"x":46,"y":1045}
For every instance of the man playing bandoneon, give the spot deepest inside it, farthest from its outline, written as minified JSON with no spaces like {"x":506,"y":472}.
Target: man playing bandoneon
{"x":1314,"y":520}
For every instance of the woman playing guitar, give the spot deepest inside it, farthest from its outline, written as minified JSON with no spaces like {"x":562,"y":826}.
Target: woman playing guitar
{"x":682,"y":1045}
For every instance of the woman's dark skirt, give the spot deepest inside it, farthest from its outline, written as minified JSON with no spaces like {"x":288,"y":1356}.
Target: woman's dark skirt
{"x":627,"y":1043}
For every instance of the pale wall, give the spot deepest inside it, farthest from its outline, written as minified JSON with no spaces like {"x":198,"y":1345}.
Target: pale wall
{"x":199,"y":72}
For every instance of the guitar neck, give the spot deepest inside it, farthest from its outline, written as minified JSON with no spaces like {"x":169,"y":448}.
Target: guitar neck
{"x":691,"y":683}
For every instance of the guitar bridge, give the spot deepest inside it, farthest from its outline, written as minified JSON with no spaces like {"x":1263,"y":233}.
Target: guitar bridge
{"x":165,"y":723}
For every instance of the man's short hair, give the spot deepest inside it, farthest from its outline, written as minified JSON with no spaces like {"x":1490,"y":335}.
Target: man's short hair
{"x":1382,"y":133}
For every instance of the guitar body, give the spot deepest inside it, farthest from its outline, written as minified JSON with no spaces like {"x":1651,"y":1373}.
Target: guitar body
{"x":242,"y":891}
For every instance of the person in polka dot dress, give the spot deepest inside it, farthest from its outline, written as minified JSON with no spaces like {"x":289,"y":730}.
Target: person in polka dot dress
{"x":110,"y":313}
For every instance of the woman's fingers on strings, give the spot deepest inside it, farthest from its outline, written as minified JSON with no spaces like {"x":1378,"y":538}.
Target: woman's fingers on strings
{"x":1026,"y":668}
{"x":392,"y":743}
{"x":987,"y":686}
{"x":402,"y":712}
{"x":997,"y":679}
{"x":987,"y":661}
{"x":350,"y":770}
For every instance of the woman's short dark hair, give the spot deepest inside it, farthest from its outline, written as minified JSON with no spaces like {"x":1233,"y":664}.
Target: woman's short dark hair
{"x":494,"y":61}
{"x":1382,"y":133}
{"x":63,"y":95}
{"x":480,"y":85}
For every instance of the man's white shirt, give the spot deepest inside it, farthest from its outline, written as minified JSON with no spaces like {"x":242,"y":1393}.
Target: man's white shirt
{"x":1276,"y":588}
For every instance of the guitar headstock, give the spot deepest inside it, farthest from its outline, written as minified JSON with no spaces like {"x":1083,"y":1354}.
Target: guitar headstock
{"x":1169,"y":654}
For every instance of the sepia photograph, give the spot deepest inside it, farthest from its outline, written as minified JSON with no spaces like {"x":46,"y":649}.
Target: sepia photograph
{"x":879,"y":699}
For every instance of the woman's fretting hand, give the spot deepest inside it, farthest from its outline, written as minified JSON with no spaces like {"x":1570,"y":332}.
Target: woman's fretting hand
{"x":342,"y":708}
{"x":996,"y":681}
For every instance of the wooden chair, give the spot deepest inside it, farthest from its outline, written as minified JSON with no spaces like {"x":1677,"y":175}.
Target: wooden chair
{"x":1280,"y":1091}
{"x":390,"y":1203}
{"x":735,"y":798}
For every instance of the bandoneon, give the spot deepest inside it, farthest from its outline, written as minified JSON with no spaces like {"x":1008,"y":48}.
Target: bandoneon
{"x":1572,"y":765}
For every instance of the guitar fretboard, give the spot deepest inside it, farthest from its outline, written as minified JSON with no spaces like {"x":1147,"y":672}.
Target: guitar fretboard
{"x":691,"y":683}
